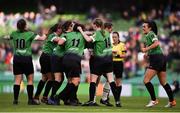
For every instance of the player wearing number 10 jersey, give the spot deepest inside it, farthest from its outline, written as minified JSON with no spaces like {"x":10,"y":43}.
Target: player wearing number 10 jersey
{"x":22,"y":62}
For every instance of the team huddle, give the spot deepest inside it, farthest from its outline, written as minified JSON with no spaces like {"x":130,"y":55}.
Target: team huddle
{"x":61,"y":56}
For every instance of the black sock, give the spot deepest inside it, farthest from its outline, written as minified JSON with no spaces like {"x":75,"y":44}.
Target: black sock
{"x":16,"y":89}
{"x":48,"y":88}
{"x":169,"y":92}
{"x":65,"y":93}
{"x":73,"y":92}
{"x":92,"y":90}
{"x":76,"y":89}
{"x":56,"y":85}
{"x":119,"y":88}
{"x":114,"y":91}
{"x":30,"y":89}
{"x":39,"y":88}
{"x":151,"y":91}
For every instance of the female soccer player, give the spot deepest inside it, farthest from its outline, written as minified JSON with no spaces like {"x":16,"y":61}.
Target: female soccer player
{"x":57,"y":70}
{"x":106,"y":89}
{"x":74,"y":46}
{"x":157,"y":63}
{"x":22,"y":62}
{"x":45,"y":62}
{"x":101,"y":62}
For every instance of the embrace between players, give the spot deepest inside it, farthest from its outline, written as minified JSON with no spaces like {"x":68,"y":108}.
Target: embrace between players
{"x":61,"y":56}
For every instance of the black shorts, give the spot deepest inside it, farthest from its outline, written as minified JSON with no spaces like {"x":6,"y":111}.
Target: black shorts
{"x":157,"y":62}
{"x":72,"y":65}
{"x":118,"y":68}
{"x":101,"y":65}
{"x":56,"y":64}
{"x":22,"y":65}
{"x":45,"y":62}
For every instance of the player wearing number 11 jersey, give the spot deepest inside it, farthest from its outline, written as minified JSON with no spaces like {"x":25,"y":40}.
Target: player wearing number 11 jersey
{"x":73,"y":43}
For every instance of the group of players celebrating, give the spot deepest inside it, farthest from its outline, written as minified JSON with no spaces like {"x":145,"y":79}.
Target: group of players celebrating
{"x":61,"y":56}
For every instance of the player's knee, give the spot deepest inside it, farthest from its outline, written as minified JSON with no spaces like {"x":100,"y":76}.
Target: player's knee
{"x":30,"y":82}
{"x":146,"y":81}
{"x":76,"y":81}
{"x":162,"y":83}
{"x":44,"y":78}
{"x":51,"y":78}
{"x":118,"y":82}
{"x":58,"y":78}
{"x":17,"y":82}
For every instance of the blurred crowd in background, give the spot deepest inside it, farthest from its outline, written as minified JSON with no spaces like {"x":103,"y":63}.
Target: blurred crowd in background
{"x":169,"y":34}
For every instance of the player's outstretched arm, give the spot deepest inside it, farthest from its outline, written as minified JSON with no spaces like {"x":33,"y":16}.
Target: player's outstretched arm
{"x":41,"y":38}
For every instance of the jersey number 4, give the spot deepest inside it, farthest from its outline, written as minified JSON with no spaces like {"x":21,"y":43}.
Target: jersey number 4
{"x":75,"y":42}
{"x":108,"y":42}
{"x":20,"y":43}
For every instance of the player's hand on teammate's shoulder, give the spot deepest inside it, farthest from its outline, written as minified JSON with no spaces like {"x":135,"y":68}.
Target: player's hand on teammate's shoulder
{"x":79,"y":28}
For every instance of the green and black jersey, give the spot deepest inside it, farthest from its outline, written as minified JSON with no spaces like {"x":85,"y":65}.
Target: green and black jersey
{"x":75,"y":43}
{"x":22,"y":42}
{"x":148,"y":40}
{"x":102,"y":44}
{"x":59,"y":50}
{"x":49,"y":45}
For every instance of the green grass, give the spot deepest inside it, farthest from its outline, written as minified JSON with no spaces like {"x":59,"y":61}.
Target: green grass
{"x":130,"y":104}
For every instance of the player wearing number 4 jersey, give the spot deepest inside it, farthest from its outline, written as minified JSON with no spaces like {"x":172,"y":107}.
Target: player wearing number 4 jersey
{"x":101,"y":61}
{"x":22,"y":62}
{"x":157,"y":63}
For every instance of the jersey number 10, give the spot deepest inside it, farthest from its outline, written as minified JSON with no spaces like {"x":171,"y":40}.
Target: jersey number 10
{"x":20,"y":43}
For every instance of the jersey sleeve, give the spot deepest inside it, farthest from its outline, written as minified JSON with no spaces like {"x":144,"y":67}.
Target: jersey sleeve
{"x":96,"y":37}
{"x":153,"y":37}
{"x":63,"y":36}
{"x":33,"y":35}
{"x":51,"y":37}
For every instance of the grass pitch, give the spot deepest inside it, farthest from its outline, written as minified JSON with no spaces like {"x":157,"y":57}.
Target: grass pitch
{"x":130,"y":104}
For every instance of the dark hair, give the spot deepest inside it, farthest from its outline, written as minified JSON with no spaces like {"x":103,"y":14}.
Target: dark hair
{"x":21,"y":25}
{"x":54,"y":28}
{"x":108,"y":25}
{"x":99,"y":23}
{"x":76,"y":25}
{"x":66,"y":25}
{"x":115,"y":32}
{"x":153,"y":26}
